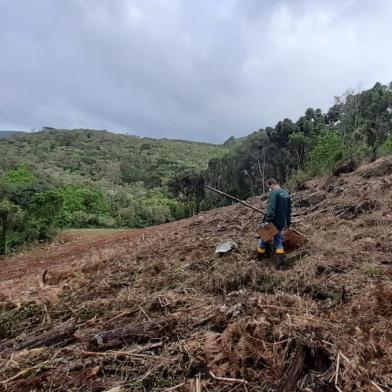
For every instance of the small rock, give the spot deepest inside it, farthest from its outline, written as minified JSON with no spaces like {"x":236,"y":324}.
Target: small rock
{"x":226,"y":247}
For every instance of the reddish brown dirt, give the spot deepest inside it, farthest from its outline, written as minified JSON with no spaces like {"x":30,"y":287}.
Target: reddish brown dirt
{"x":21,"y":276}
{"x":150,"y":309}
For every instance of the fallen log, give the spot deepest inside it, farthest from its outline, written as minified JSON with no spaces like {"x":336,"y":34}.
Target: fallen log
{"x":61,"y":334}
{"x":131,"y":333}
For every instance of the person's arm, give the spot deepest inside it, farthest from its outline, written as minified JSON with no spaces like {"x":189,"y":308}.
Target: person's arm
{"x":288,"y":219}
{"x":269,"y":217}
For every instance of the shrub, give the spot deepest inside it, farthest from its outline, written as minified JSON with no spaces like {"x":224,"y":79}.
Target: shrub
{"x":297,"y":181}
{"x":80,"y":203}
{"x":78,"y":219}
{"x":37,"y":222}
{"x":21,"y":175}
{"x":326,"y":153}
{"x":106,"y":221}
{"x":386,"y":147}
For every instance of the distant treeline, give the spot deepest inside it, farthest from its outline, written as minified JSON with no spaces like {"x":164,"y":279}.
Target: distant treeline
{"x":8,"y":134}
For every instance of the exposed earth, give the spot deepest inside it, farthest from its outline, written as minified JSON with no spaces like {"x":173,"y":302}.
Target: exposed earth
{"x":156,"y":309}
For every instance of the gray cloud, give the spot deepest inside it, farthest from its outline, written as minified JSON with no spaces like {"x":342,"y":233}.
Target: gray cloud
{"x":184,"y":69}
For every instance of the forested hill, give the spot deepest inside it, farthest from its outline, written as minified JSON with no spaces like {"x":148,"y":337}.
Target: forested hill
{"x":85,"y":178}
{"x":61,"y":156}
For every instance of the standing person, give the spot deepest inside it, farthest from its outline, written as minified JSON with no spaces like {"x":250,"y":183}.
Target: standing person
{"x":278,"y":213}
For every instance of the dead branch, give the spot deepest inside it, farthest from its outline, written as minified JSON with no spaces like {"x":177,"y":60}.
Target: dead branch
{"x":131,"y":333}
{"x":227,"y":379}
{"x":198,"y":384}
{"x":376,"y":386}
{"x":23,"y":373}
{"x":62,"y":334}
{"x":114,"y":353}
{"x":337,"y":370}
{"x":44,"y":277}
{"x":174,"y":388}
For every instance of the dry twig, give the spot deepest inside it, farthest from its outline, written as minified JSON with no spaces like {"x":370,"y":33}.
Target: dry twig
{"x":174,"y":388}
{"x":376,"y":386}
{"x":227,"y":379}
{"x":337,"y":370}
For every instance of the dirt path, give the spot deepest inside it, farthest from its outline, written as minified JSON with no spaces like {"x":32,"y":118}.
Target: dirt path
{"x":21,"y":275}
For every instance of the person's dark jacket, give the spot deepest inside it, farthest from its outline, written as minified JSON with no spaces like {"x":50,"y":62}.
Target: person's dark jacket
{"x":279,"y":208}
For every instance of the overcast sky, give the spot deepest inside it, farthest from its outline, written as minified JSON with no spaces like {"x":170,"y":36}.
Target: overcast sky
{"x":190,"y":69}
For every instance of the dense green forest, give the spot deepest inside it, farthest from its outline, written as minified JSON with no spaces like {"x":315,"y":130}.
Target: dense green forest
{"x":84,"y":178}
{"x":93,"y":179}
{"x":358,"y":127}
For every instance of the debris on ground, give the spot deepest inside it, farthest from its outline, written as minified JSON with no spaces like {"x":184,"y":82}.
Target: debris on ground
{"x":225,"y":247}
{"x":155,"y":310}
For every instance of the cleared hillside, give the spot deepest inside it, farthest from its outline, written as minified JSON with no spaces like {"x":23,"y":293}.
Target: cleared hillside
{"x":155,"y":309}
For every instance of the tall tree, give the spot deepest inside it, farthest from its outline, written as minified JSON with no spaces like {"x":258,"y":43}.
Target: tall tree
{"x":7,"y":212}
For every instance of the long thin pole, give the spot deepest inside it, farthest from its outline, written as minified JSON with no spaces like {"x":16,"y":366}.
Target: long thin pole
{"x":234,"y":198}
{"x":245,"y":204}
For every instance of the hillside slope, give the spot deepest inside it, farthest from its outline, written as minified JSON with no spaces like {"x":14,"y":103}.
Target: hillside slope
{"x":155,"y":308}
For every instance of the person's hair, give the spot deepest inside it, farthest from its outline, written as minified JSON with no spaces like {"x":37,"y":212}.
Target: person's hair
{"x":272,"y":181}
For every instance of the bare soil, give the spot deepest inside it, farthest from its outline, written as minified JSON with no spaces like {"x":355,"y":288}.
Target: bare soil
{"x":155,"y":309}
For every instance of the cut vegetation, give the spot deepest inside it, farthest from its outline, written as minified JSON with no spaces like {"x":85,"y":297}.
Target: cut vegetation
{"x":155,"y":308}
